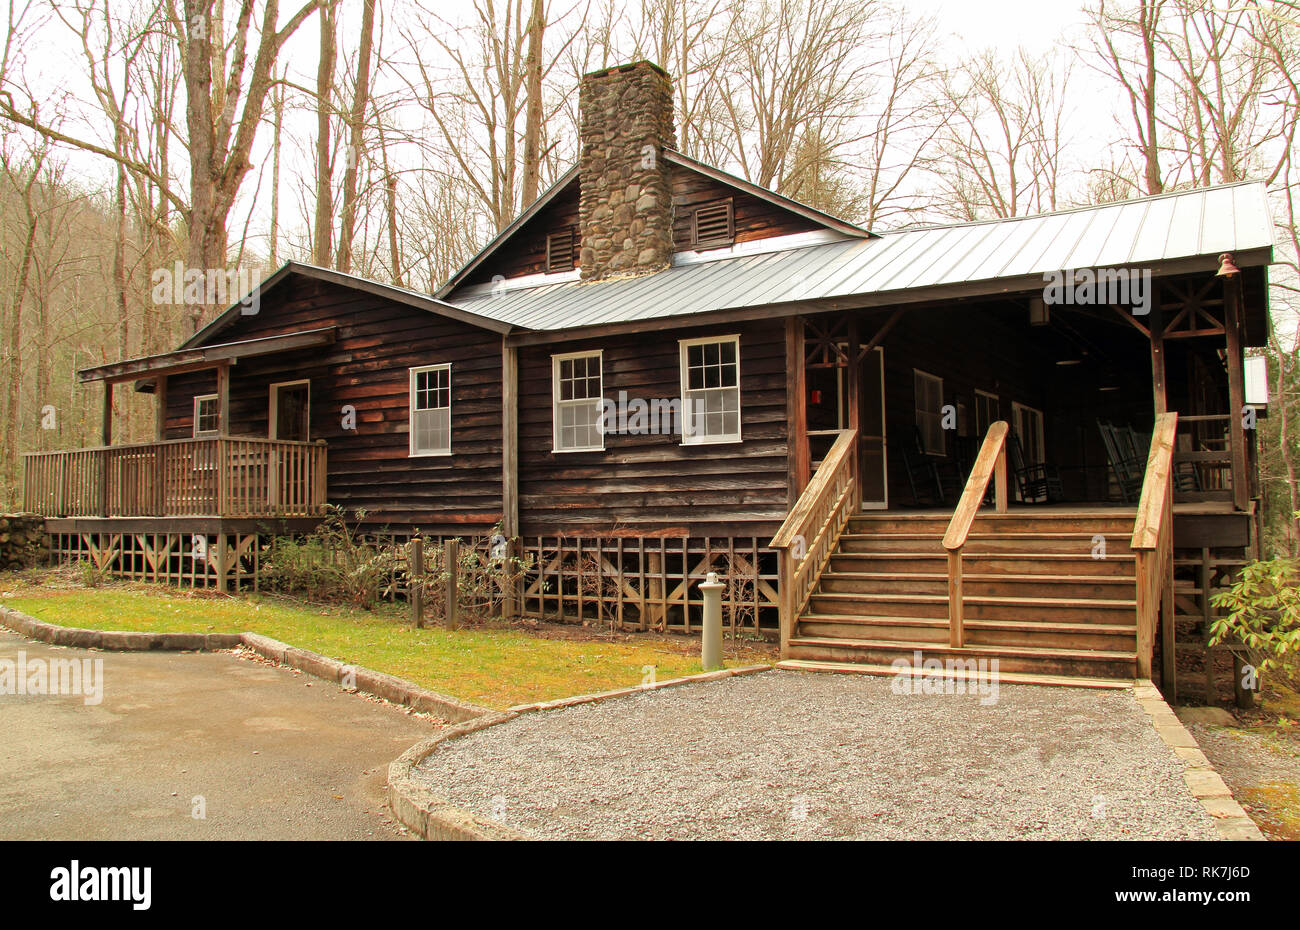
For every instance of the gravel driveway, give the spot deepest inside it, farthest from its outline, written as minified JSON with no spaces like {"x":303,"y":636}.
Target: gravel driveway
{"x":789,"y":755}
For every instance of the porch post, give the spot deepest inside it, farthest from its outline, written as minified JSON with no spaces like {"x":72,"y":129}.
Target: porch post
{"x":160,"y":407}
{"x":223,"y":399}
{"x":853,"y":415}
{"x":1236,"y":389}
{"x":1158,"y":393}
{"x":106,"y":421}
{"x":796,"y":403}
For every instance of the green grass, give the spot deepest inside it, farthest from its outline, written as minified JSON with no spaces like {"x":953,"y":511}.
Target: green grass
{"x":496,"y":666}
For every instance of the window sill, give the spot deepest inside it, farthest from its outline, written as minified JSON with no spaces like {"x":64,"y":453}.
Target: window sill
{"x":429,"y":455}
{"x":728,"y":441}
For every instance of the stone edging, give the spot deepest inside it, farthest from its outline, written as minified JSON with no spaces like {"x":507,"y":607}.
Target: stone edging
{"x":434,"y":818}
{"x":350,"y":677}
{"x":1230,"y":819}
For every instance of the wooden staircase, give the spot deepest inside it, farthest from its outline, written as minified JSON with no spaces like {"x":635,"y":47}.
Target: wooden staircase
{"x":1036,"y":598}
{"x":1033,"y":588}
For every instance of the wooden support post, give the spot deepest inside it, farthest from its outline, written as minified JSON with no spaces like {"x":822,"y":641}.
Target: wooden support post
{"x":106,"y":419}
{"x":160,"y":408}
{"x":1159,"y":395}
{"x":513,"y":594}
{"x":415,"y":589}
{"x":1236,"y":390}
{"x":853,"y":394}
{"x":956,"y":617}
{"x":1168,"y":638}
{"x":220,"y":562}
{"x":451,"y":566}
{"x":1000,"y":481}
{"x":785,"y":613}
{"x":796,"y":402}
{"x":223,"y":399}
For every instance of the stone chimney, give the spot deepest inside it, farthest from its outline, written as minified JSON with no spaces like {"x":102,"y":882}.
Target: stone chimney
{"x":626,"y":211}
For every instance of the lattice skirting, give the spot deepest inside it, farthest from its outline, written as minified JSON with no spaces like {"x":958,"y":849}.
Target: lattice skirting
{"x":629,"y":583}
{"x":225,"y":561}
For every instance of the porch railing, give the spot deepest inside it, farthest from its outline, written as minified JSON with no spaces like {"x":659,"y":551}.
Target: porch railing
{"x":1153,"y":544}
{"x":221,"y":476}
{"x":808,"y":536}
{"x":989,"y":464}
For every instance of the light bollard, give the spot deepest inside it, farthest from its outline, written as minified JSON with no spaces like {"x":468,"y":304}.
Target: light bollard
{"x":711,"y":643}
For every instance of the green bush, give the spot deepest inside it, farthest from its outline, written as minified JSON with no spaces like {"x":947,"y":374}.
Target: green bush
{"x":334,"y":563}
{"x":1263,"y":612}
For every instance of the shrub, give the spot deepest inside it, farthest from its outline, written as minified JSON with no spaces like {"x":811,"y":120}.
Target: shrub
{"x":1263,"y":612}
{"x":334,"y":563}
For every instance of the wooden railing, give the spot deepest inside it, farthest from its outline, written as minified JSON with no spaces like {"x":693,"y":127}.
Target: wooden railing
{"x":215,"y":476}
{"x":1153,"y":545}
{"x":990,"y":463}
{"x":808,"y":536}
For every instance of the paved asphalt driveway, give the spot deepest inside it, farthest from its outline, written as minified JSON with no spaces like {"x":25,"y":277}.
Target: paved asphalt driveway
{"x":271,"y":753}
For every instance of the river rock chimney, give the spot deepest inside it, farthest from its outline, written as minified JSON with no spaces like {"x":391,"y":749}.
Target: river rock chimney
{"x":626,"y":208}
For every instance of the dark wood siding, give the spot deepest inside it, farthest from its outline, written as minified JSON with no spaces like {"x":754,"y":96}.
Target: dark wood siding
{"x":378,"y":341}
{"x":755,"y":218}
{"x":653,"y":483}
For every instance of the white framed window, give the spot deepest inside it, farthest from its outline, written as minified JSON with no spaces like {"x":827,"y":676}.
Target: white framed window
{"x":431,"y":410}
{"x":577,"y":393}
{"x":710,"y":371}
{"x":929,"y":411}
{"x":207,"y":415}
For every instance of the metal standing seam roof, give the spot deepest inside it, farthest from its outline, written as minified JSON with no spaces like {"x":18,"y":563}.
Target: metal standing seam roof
{"x":1187,"y":224}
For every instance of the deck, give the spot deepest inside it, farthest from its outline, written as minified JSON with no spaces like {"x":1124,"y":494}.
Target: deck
{"x":224,"y":477}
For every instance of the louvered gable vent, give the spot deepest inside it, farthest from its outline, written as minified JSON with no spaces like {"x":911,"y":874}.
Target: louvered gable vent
{"x":713,"y":225}
{"x":560,"y":249}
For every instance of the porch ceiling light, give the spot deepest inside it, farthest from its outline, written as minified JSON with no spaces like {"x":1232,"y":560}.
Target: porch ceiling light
{"x":1227,"y":268}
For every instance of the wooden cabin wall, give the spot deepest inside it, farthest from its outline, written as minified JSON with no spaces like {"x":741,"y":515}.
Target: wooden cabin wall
{"x":754,"y":218}
{"x":378,"y":340}
{"x":653,"y":483}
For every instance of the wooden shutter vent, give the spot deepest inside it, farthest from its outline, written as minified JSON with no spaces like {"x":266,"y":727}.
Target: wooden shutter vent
{"x":560,"y":250}
{"x":714,"y":224}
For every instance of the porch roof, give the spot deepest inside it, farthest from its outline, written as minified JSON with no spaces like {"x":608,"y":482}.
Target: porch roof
{"x":225,"y":353}
{"x":1169,"y":233}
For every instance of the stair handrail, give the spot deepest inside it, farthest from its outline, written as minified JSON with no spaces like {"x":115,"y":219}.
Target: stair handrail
{"x":812,"y":529}
{"x":1152,"y":541}
{"x":991,"y":463}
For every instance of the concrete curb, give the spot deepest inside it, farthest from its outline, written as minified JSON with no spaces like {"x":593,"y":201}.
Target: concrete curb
{"x":426,"y":814}
{"x":349,"y":677}
{"x":639,"y":689}
{"x":1230,"y":818}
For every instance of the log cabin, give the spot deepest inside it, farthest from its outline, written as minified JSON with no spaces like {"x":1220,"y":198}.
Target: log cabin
{"x":1026,"y":439}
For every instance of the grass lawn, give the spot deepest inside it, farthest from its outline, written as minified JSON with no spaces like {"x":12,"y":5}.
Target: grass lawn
{"x":493,"y":665}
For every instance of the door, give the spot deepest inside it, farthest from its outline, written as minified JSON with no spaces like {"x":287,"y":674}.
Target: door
{"x":290,"y":411}
{"x":290,"y":419}
{"x":872,"y":461}
{"x":829,"y":411}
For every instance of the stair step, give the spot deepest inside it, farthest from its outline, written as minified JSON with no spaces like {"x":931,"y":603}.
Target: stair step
{"x":1025,"y":563}
{"x":975,"y":583}
{"x":1001,"y":633}
{"x":1115,"y":664}
{"x":976,"y":607}
{"x":1015,"y":678}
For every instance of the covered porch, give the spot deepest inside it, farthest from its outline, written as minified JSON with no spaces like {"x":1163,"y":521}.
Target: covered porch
{"x":215,"y":473}
{"x":1080,"y":386}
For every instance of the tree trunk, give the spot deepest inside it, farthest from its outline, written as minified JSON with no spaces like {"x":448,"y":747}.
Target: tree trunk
{"x":322,"y":248}
{"x":356,"y":127}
